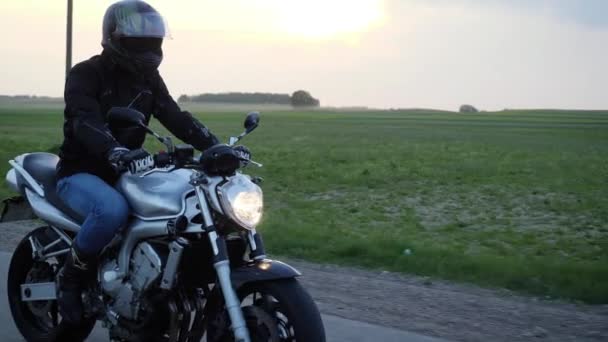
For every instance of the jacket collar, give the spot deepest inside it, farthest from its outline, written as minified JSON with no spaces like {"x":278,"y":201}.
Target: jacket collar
{"x":107,"y":61}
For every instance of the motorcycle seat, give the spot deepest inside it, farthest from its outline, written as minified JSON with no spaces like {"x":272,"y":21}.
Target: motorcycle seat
{"x":42,"y":167}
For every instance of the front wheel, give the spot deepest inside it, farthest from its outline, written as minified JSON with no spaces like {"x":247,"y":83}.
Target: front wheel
{"x":275,"y":311}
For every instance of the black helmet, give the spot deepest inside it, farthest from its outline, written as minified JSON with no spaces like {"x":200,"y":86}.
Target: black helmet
{"x":133,"y":33}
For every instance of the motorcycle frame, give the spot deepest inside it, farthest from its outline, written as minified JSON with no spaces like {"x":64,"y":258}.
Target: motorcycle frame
{"x":141,"y":229}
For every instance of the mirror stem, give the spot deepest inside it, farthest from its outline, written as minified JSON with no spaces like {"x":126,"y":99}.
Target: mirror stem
{"x":234,"y":140}
{"x":169,"y":143}
{"x":150,"y":131}
{"x":138,"y":96}
{"x":163,"y":140}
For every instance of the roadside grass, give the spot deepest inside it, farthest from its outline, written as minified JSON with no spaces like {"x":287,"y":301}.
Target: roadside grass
{"x":515,"y":199}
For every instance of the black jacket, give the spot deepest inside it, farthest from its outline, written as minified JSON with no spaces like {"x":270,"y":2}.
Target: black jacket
{"x":98,"y":84}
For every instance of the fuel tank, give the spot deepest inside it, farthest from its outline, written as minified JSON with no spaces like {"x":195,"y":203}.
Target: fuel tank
{"x":157,"y":194}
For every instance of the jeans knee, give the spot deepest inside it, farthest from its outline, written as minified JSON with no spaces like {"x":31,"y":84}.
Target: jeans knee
{"x":114,"y":215}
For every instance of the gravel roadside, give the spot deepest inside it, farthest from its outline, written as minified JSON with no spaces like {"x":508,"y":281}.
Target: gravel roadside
{"x":429,"y":307}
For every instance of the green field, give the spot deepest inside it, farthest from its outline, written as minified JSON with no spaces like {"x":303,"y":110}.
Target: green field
{"x":513,"y":199}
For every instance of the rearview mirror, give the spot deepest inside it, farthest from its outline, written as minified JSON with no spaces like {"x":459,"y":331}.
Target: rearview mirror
{"x":126,"y":115}
{"x":251,"y":121}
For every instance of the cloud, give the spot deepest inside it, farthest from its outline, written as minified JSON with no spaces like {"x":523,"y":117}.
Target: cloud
{"x":427,"y":53}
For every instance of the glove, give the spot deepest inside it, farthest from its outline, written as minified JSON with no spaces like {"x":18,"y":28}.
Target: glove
{"x":243,"y":153}
{"x":135,"y":161}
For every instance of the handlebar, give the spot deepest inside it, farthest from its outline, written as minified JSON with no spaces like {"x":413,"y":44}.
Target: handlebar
{"x":219,"y":159}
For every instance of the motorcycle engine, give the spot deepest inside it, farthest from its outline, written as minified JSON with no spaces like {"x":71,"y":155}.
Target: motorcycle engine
{"x":145,"y":267}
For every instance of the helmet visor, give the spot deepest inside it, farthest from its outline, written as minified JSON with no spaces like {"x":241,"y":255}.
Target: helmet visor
{"x":140,"y":25}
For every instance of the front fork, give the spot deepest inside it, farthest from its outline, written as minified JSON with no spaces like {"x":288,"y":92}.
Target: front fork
{"x":222,"y":268}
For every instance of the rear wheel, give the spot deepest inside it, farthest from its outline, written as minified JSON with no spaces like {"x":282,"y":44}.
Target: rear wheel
{"x":39,"y":320}
{"x":275,"y":311}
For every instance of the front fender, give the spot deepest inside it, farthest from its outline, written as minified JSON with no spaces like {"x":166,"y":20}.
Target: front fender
{"x":251,"y":272}
{"x":262,"y":270}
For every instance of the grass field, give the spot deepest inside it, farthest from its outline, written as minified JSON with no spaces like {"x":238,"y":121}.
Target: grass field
{"x":510,"y":199}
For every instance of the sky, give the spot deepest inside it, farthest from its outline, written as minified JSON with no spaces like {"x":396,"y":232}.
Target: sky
{"x":493,"y":54}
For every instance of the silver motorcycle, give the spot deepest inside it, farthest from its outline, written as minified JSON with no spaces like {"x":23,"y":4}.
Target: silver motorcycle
{"x":189,"y":263}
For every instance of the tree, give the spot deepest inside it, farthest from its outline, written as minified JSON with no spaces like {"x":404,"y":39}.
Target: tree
{"x":242,"y":98}
{"x":302,"y":98}
{"x":465,"y":108}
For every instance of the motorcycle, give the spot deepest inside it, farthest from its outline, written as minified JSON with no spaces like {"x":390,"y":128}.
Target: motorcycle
{"x":189,"y":264}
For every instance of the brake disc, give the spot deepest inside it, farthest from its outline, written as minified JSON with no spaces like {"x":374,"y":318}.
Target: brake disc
{"x":262,"y":326}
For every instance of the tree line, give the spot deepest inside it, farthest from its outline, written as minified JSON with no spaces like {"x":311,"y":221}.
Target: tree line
{"x":299,"y":98}
{"x":28,"y":97}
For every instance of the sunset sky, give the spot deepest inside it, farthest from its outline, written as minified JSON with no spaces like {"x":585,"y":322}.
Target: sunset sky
{"x":394,"y":53}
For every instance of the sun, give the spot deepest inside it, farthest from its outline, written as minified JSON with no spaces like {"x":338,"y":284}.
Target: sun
{"x":322,"y":19}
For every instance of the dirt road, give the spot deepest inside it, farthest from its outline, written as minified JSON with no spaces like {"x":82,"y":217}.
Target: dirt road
{"x":429,"y":307}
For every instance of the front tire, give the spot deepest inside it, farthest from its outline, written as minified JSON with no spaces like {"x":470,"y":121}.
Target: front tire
{"x":295,"y":315}
{"x":30,"y":323}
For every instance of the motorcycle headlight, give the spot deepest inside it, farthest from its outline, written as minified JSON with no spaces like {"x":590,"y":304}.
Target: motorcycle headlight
{"x":242,"y":201}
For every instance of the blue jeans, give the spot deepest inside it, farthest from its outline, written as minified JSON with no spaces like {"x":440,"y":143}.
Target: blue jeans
{"x":105,"y":209}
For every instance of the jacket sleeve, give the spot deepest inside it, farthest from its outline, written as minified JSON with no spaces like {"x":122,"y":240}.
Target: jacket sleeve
{"x":181,"y":123}
{"x":83,"y":114}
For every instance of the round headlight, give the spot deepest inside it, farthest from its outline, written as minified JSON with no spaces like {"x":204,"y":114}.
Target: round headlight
{"x":242,"y":201}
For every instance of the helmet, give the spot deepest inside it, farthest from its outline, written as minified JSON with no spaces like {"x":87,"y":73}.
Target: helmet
{"x":133,"y":33}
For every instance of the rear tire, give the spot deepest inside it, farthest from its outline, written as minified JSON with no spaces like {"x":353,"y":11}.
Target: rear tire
{"x":25,"y":320}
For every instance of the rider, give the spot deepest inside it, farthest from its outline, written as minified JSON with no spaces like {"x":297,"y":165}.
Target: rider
{"x":95,"y":150}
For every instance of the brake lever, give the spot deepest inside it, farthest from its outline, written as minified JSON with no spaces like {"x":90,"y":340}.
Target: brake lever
{"x":256,"y":163}
{"x":249,"y":161}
